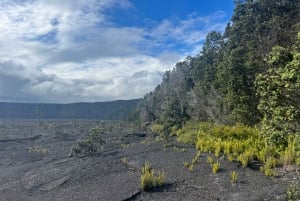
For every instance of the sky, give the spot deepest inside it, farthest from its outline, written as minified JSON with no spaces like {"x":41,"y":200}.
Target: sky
{"x":54,"y":51}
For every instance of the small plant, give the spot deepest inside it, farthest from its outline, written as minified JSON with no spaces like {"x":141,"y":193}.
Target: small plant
{"x":124,"y":146}
{"x":215,"y":167}
{"x":125,"y":160}
{"x":218,"y":148}
{"x":37,"y":149}
{"x":196,"y":158}
{"x":210,"y":160}
{"x":234,"y":177}
{"x":245,"y":158}
{"x":292,"y":192}
{"x":148,"y":178}
{"x":230,"y":157}
{"x":191,"y":167}
{"x":269,"y":167}
{"x":185,"y":164}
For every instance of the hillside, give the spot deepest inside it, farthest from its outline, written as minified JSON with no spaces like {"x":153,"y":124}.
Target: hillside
{"x":221,"y":84}
{"x":113,"y":110}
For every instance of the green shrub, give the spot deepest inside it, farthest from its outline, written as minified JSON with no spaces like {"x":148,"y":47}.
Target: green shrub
{"x":90,"y":145}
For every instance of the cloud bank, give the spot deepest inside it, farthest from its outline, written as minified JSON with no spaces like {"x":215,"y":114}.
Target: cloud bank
{"x":71,"y":50}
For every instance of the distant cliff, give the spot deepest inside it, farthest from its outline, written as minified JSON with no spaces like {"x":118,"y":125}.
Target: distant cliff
{"x":113,"y":110}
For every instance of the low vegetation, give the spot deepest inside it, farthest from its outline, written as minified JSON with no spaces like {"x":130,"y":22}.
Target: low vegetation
{"x":90,"y":145}
{"x":240,"y":143}
{"x":37,"y":149}
{"x":233,"y":177}
{"x":215,"y":167}
{"x":292,"y":193}
{"x":149,"y":179}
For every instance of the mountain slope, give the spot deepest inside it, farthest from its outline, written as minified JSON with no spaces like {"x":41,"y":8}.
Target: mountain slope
{"x":113,"y":110}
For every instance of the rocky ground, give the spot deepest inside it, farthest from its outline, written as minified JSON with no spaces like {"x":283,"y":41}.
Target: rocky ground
{"x":34,"y":165}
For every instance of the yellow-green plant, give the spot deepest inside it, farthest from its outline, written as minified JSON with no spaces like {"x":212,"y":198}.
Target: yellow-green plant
{"x":230,"y":157}
{"x":125,"y":160}
{"x":191,"y":167}
{"x":215,"y":167}
{"x":196,"y":158}
{"x":245,"y":158}
{"x":148,"y":178}
{"x":233,"y":177}
{"x":269,"y":167}
{"x":210,"y":160}
{"x":218,"y":147}
{"x":185,"y":164}
{"x":292,"y":192}
{"x":291,"y":155}
{"x":242,"y":143}
{"x":157,"y":128}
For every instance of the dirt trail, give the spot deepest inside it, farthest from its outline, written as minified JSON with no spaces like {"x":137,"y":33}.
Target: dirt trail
{"x":39,"y":169}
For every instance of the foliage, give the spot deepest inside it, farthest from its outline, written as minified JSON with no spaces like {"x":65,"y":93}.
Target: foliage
{"x":245,"y":158}
{"x":267,"y":168}
{"x":291,"y":155}
{"x":279,"y":93}
{"x":242,"y":143}
{"x":148,"y":178}
{"x":157,"y":128}
{"x":233,"y":177}
{"x":249,"y":74}
{"x":215,"y":167}
{"x":219,"y":84}
{"x":210,"y":160}
{"x":292,"y":192}
{"x":90,"y":145}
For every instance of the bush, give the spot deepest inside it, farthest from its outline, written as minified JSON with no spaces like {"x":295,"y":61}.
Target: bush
{"x":148,"y":178}
{"x":90,"y":145}
{"x":157,"y":128}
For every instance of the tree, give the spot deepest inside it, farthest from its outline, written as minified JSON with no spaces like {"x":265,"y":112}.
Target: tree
{"x":279,"y":95}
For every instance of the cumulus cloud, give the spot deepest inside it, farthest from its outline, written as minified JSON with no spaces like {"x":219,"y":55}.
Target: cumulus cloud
{"x":70,"y":51}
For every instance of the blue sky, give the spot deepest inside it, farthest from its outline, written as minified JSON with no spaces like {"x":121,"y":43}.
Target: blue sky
{"x":98,"y":50}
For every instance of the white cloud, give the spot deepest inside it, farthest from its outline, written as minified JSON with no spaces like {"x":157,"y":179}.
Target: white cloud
{"x":190,"y":32}
{"x":69,"y":51}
